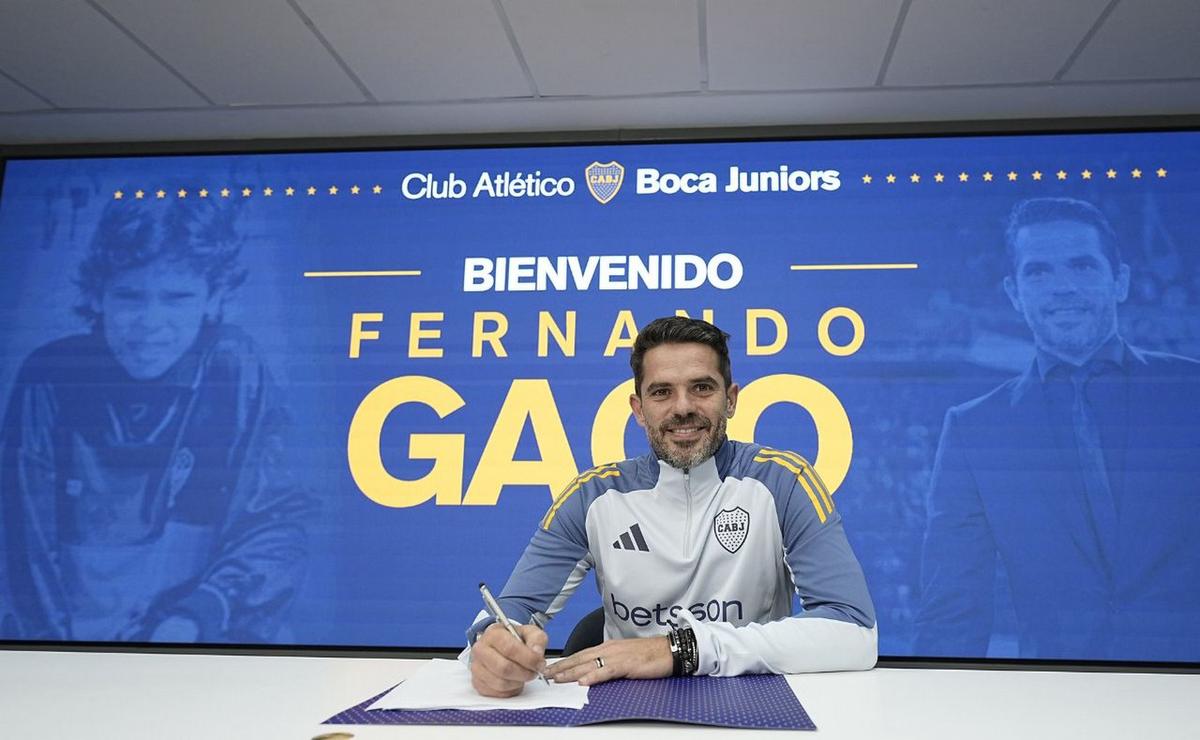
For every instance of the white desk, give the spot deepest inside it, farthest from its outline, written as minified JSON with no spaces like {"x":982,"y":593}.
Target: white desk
{"x":96,"y":696}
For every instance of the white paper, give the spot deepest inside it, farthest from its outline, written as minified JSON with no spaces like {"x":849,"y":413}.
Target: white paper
{"x":446,"y":684}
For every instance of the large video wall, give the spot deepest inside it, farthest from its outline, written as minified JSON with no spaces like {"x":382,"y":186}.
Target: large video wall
{"x":315,"y":399}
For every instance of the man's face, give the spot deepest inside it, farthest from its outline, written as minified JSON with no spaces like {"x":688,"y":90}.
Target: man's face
{"x":1065,"y":288}
{"x":152,"y":315}
{"x":684,"y":403}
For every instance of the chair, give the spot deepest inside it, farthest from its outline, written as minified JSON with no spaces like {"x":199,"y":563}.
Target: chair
{"x":589,"y":632}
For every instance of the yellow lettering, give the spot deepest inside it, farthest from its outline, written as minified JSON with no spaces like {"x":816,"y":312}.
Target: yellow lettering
{"x":624,"y":333}
{"x":479,"y":334}
{"x":527,"y":399}
{"x":364,"y":456}
{"x":358,"y":334}
{"x":417,"y":332}
{"x":860,"y":331}
{"x":609,"y":424}
{"x":835,"y":440}
{"x":565,"y":340}
{"x":753,"y":316}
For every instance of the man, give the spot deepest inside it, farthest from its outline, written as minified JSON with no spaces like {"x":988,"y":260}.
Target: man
{"x":1080,"y":474}
{"x":698,"y":546}
{"x":143,"y":491}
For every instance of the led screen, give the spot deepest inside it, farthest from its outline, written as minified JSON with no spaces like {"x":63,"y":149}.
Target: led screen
{"x":315,"y":399}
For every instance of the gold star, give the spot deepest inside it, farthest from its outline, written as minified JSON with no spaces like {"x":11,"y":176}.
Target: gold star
{"x":1112,"y":174}
{"x":939,"y":177}
{"x":987,"y":177}
{"x":333,"y":189}
{"x":312,"y":190}
{"x":1061,"y":174}
{"x":354,"y":190}
{"x":267,"y":191}
{"x":203,"y":192}
{"x":1161,"y":172}
{"x":224,"y":192}
{"x":914,"y":177}
{"x":963,"y":177}
{"x":160,"y":194}
{"x":182,"y":193}
{"x":246,"y":192}
{"x":1037,"y":175}
{"x":1012,"y":176}
{"x":891,"y":178}
{"x":118,"y":195}
{"x":289,"y":190}
{"x":1086,"y":174}
{"x":139,"y":194}
{"x":866,"y":180}
{"x":377,"y":189}
{"x":1137,"y":174}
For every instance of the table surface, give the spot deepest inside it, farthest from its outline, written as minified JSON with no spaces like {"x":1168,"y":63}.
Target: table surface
{"x":141,"y":695}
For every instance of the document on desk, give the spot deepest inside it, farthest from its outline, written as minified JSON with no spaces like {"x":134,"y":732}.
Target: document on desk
{"x":446,"y":684}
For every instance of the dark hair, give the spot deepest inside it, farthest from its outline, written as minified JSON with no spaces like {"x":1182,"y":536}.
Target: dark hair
{"x":1043,"y":210}
{"x":131,"y":233}
{"x":679,"y":330}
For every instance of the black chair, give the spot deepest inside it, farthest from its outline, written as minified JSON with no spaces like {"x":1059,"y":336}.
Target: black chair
{"x":589,"y":632}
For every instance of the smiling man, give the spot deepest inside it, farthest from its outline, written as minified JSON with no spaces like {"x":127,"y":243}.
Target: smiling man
{"x":1078,"y":476}
{"x":698,"y":547}
{"x":144,"y":493}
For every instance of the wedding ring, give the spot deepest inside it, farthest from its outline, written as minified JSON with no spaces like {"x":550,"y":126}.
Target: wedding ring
{"x":599,"y":662}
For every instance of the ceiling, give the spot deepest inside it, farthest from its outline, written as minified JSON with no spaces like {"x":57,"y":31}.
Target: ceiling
{"x":186,"y":70}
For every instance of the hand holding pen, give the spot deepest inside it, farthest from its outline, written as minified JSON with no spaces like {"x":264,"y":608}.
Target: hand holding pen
{"x":500,"y":666}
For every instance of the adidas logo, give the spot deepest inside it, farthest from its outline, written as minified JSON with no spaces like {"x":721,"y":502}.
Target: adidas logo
{"x":631,"y":540}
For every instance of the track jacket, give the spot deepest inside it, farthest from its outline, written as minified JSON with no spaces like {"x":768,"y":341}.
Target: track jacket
{"x":721,"y":547}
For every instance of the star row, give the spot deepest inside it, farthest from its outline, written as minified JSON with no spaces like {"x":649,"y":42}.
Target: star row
{"x":289,"y":191}
{"x":1013,"y":176}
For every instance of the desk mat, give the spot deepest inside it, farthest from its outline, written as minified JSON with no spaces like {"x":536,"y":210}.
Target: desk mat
{"x":764,"y":702}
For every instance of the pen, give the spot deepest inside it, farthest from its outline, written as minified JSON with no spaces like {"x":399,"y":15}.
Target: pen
{"x":490,"y":602}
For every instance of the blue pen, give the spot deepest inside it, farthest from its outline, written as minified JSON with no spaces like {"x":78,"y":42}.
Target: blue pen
{"x":498,"y":613}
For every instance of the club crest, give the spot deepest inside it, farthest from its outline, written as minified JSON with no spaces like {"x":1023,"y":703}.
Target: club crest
{"x":604,"y":180}
{"x":730,"y":527}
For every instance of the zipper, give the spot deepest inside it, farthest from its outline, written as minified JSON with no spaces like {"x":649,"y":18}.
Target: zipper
{"x":687,"y":531}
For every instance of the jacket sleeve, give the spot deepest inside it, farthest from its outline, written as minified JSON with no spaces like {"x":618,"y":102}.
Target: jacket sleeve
{"x":958,"y":561}
{"x":554,"y":563}
{"x":258,"y":565}
{"x":836,"y":629}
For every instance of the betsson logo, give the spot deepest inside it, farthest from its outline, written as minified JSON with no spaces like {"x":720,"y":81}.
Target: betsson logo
{"x":602,"y":272}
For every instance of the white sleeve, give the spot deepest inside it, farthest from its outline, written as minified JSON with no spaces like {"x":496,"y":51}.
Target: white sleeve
{"x":791,"y":645}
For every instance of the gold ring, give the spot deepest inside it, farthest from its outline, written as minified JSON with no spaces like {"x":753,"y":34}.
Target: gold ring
{"x":599,"y":662}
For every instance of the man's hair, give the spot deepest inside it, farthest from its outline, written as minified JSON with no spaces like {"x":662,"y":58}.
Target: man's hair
{"x":679,"y":330}
{"x":130,"y":234}
{"x":1044,"y":210}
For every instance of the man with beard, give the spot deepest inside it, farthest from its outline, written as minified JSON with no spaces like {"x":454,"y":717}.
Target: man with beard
{"x":1079,"y":475}
{"x":698,"y":547}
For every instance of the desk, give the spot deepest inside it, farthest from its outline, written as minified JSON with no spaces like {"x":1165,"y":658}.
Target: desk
{"x":131,"y":696}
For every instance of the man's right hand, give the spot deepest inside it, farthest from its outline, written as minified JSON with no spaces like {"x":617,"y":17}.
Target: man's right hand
{"x":501,"y":665}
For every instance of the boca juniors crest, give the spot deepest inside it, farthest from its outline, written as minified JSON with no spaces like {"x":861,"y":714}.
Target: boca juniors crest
{"x":730,"y":527}
{"x":604,"y":180}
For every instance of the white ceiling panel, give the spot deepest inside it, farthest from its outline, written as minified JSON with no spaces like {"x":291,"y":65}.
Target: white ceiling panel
{"x":620,"y":47}
{"x":13,"y":97}
{"x":784,"y":45}
{"x":873,"y":105}
{"x":444,"y":50}
{"x":1143,"y":39}
{"x":949,"y":42}
{"x":73,"y":56}
{"x":239,"y":52}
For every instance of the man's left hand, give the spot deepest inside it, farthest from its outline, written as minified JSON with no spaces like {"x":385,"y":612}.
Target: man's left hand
{"x":640,"y":657}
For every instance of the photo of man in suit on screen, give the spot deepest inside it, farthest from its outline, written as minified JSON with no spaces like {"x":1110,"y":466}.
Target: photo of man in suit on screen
{"x":143,"y":489}
{"x":1080,"y":475}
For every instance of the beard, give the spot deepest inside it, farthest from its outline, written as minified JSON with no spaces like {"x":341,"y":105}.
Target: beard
{"x":686,"y":457}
